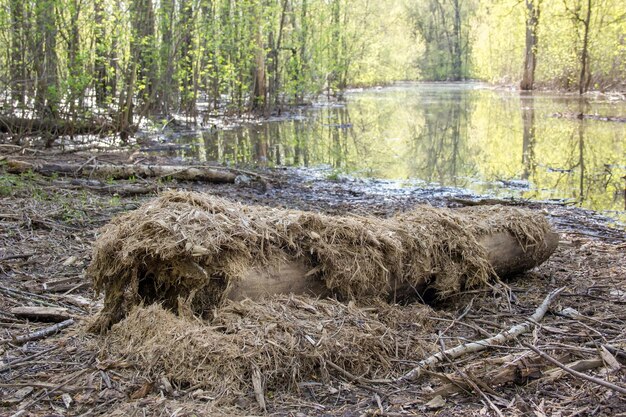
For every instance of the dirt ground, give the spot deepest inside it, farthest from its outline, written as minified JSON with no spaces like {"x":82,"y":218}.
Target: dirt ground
{"x":48,"y":223}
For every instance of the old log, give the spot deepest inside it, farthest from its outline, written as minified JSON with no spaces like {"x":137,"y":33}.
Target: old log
{"x":200,"y":250}
{"x":55,"y":127}
{"x":504,"y":252}
{"x":186,"y":173}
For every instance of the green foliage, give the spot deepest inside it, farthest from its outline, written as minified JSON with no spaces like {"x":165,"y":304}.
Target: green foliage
{"x":129,"y":58}
{"x":443,"y":27}
{"x":498,"y":48}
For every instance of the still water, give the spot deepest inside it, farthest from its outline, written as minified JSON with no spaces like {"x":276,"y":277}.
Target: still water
{"x":492,"y":142}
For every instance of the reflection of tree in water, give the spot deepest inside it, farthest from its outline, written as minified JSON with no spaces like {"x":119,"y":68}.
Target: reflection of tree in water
{"x":428,"y":136}
{"x":438,"y":145}
{"x":529,"y":162}
{"x":338,"y":139}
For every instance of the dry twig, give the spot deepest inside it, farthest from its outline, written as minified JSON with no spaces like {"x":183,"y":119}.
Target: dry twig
{"x":39,"y":334}
{"x":577,"y":374}
{"x":471,"y":347}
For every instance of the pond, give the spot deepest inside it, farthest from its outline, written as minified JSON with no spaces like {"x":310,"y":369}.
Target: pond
{"x":464,"y":135}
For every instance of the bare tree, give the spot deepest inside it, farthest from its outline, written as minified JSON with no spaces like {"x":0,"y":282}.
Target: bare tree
{"x":533,"y":11}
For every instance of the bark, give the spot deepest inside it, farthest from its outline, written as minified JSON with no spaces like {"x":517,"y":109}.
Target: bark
{"x":187,"y":84}
{"x":275,"y":55}
{"x":143,"y":51}
{"x":46,"y":99}
{"x":259,"y":100}
{"x":457,"y":70}
{"x":530,"y":57}
{"x":100,"y":70}
{"x":167,"y":95}
{"x":17,"y":69}
{"x":185,"y":173}
{"x":126,"y":106}
{"x":585,"y":76}
{"x":74,"y":63}
{"x":302,"y":66}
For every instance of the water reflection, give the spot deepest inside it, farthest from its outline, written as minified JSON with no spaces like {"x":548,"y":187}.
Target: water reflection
{"x":462,"y":135}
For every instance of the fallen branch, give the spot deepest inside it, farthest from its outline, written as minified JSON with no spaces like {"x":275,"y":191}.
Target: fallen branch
{"x":49,"y":314}
{"x":554,"y":374}
{"x":17,"y":256}
{"x":123,"y":190}
{"x":577,"y":374}
{"x":480,"y":345}
{"x":43,"y":393}
{"x":518,"y":370}
{"x":182,"y":172}
{"x":39,"y":334}
{"x":26,"y":359}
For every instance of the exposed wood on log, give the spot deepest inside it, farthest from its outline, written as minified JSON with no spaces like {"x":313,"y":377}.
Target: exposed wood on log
{"x":505,"y":254}
{"x":288,"y":277}
{"x":47,"y":314}
{"x":186,"y":173}
{"x":508,"y":257}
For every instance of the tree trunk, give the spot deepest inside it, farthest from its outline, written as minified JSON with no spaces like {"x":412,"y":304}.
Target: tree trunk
{"x":530,"y":57}
{"x":18,"y":75}
{"x":303,"y":60}
{"x":46,"y":98}
{"x":259,"y":92}
{"x":185,"y":59}
{"x":125,"y":105}
{"x":142,"y":52}
{"x":585,"y":76}
{"x":457,"y":57}
{"x":100,"y":70}
{"x":73,"y":61}
{"x":167,"y":94}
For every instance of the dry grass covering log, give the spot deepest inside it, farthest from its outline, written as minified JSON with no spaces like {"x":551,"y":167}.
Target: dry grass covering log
{"x":287,"y":339}
{"x":188,"y":250}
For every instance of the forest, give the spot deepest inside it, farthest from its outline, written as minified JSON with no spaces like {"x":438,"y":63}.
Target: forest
{"x":76,"y":66}
{"x":312,"y":208}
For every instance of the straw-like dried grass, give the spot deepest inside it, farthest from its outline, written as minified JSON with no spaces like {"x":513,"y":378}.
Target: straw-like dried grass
{"x":287,"y":339}
{"x":184,"y":249}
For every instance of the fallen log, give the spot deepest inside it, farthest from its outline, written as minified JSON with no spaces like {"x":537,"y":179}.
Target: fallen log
{"x":185,"y":173}
{"x":192,"y":252}
{"x":56,"y":127}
